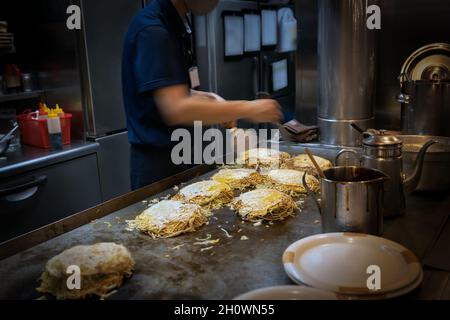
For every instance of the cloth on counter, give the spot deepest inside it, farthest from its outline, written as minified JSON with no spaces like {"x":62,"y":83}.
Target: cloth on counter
{"x":297,"y":132}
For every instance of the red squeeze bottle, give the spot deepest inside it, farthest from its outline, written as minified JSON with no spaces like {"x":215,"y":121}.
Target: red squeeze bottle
{"x":43,"y":111}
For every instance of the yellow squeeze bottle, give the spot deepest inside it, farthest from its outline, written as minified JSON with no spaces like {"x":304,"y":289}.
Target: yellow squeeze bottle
{"x":59,"y":111}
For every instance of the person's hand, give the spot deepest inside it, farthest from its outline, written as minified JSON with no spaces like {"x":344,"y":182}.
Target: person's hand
{"x":264,"y":110}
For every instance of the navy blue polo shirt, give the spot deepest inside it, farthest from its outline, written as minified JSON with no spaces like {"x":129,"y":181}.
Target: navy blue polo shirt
{"x":153,"y":57}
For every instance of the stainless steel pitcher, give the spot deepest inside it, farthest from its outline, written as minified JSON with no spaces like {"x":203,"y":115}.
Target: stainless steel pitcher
{"x":352,"y":200}
{"x":383,"y":152}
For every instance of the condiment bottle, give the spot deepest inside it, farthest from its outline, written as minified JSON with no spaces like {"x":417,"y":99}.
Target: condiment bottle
{"x":43,"y":111}
{"x":59,"y":111}
{"x":54,"y":130}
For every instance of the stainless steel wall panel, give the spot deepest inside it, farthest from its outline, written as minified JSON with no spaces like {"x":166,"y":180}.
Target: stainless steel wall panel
{"x":105,"y":24}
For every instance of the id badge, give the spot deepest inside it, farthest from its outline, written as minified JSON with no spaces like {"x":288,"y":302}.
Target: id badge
{"x":194,"y":77}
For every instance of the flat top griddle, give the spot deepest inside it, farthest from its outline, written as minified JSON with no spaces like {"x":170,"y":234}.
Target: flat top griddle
{"x":231,"y":267}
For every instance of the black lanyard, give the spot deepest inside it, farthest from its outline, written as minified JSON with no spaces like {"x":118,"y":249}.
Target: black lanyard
{"x":189,"y":44}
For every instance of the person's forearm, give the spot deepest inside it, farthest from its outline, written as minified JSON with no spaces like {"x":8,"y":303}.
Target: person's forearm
{"x":209,"y":111}
{"x":206,"y":95}
{"x":197,"y":94}
{"x":179,"y":108}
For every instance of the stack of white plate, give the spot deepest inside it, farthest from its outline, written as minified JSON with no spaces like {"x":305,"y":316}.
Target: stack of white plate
{"x":288,"y":293}
{"x":345,"y":266}
{"x":354,"y":266}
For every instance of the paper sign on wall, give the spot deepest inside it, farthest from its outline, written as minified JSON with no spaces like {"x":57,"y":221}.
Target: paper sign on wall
{"x":269,"y":27}
{"x":234,"y":35}
{"x":252,"y":30}
{"x":279,"y":75}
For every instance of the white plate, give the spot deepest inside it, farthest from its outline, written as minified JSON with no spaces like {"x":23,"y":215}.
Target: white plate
{"x":388,"y":295}
{"x":301,"y":292}
{"x":288,"y":293}
{"x":338,"y":262}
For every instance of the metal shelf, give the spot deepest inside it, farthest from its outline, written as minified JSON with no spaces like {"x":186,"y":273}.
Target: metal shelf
{"x":21,"y":96}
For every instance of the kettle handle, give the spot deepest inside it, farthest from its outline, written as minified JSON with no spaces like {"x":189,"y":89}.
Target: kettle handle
{"x":311,"y":193}
{"x":411,"y":182}
{"x":340,"y":153}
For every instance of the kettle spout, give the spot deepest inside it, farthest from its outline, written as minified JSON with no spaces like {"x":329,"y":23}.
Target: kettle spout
{"x":411,"y":182}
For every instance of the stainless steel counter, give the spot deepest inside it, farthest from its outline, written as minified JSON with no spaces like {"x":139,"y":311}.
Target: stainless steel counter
{"x":319,"y":149}
{"x":231,"y":267}
{"x":28,"y":158}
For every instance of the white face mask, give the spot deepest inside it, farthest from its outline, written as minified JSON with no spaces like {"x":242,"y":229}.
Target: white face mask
{"x":201,"y":7}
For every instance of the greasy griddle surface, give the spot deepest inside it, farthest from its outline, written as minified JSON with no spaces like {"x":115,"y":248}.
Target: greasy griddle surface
{"x":232,"y":267}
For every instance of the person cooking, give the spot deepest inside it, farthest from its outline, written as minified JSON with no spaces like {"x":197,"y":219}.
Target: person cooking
{"x":157,"y":75}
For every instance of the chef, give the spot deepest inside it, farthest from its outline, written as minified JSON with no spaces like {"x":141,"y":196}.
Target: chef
{"x":158,"y":72}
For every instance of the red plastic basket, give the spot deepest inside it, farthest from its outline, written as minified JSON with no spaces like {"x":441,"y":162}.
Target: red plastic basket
{"x":34,"y":131}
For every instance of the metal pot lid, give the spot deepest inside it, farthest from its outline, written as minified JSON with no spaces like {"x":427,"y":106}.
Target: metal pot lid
{"x":381,"y":138}
{"x":431,"y":63}
{"x":430,"y":82}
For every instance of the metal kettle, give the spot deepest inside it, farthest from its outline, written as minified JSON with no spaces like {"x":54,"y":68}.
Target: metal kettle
{"x":383,"y":151}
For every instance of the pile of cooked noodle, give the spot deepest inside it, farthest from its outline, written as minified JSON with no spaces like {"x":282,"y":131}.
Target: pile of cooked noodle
{"x":290,"y":181}
{"x":103,"y":267}
{"x":239,"y":179}
{"x":264,"y":205}
{"x":170,"y":218}
{"x":263,"y":158}
{"x":302,"y":162}
{"x":209,"y":194}
{"x":95,"y":285}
